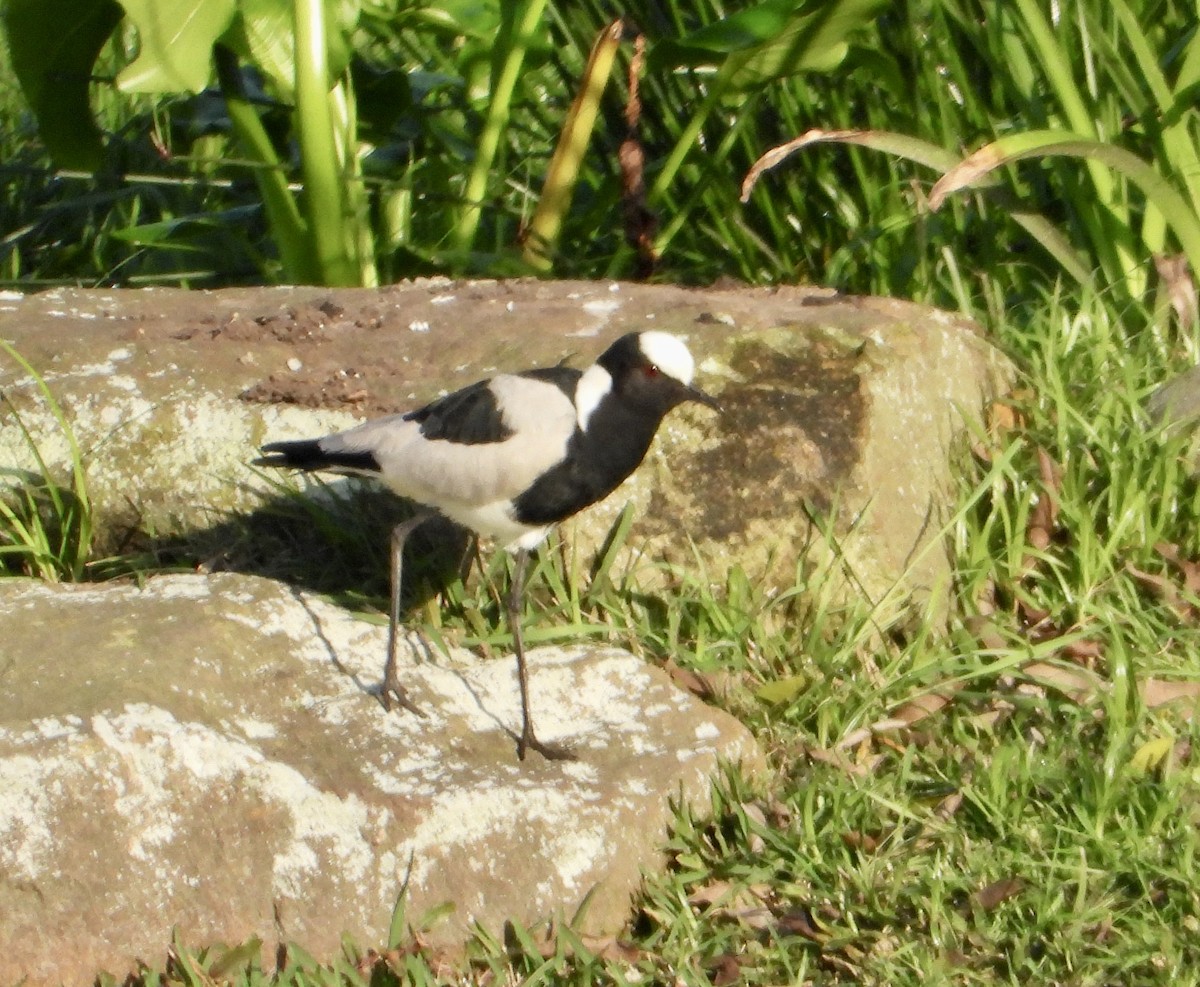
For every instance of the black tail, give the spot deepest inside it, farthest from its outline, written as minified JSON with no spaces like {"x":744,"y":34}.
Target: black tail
{"x":307,"y":454}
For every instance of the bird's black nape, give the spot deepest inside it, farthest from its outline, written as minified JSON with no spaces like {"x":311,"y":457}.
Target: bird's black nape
{"x":653,"y":384}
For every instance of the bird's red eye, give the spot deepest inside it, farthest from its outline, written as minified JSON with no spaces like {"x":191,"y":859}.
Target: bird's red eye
{"x":651,"y":370}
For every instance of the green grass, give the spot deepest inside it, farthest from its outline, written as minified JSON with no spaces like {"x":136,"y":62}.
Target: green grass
{"x":45,"y":519}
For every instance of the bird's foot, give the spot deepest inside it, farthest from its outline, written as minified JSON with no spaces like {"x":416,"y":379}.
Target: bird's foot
{"x":551,"y":752}
{"x":392,"y":694}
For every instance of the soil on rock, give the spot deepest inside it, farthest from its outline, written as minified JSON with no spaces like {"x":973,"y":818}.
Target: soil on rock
{"x":376,"y":351}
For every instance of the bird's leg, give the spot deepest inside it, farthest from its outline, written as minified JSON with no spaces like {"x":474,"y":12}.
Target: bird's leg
{"x":392,"y":692}
{"x":528,"y":741}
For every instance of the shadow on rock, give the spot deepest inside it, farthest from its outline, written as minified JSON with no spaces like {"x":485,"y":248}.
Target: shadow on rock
{"x":334,"y":539}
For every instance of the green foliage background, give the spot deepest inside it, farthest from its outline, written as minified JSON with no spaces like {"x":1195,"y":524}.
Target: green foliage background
{"x":173,"y":197}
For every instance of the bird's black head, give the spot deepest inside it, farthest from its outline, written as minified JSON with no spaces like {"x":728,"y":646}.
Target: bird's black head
{"x":653,"y":371}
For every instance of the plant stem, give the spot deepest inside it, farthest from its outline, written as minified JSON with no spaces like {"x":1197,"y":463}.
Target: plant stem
{"x":283,"y":215}
{"x":504,"y":84}
{"x":324,"y":203}
{"x":359,"y":237}
{"x":563,"y":173}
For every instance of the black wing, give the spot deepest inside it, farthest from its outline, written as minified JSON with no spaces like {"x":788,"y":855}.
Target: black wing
{"x":563,"y":377}
{"x":469,"y":417}
{"x":472,"y":416}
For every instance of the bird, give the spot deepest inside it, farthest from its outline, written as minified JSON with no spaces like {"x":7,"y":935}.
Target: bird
{"x":508,"y":458}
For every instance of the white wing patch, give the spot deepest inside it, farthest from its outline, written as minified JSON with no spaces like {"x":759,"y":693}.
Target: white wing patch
{"x":595,"y":384}
{"x":668,"y":353}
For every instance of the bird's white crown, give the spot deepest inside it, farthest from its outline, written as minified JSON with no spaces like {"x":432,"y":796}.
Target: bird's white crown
{"x":669,"y":354}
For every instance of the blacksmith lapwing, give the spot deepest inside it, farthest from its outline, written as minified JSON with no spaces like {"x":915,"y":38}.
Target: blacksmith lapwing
{"x":510,"y":457}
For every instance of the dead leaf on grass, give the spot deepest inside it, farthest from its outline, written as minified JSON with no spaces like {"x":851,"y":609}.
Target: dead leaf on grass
{"x":612,"y":949}
{"x":1077,"y":685}
{"x":956,"y":958}
{"x":696,"y":683}
{"x":641,"y":222}
{"x":1003,"y":417}
{"x":987,"y":632}
{"x":1044,"y":516}
{"x":754,"y":813}
{"x":780,"y":691}
{"x":1101,"y":931}
{"x":854,"y":738}
{"x":725,"y":970}
{"x":990,"y":896}
{"x":800,"y":922}
{"x":779,"y":813}
{"x":918,"y":708}
{"x":863,"y":842}
{"x":1083,"y":650}
{"x":837,"y":760}
{"x":1179,"y":597}
{"x":1165,"y":589}
{"x":1181,"y":288}
{"x":1001,"y":710}
{"x":1159,"y":692}
{"x":709,"y":894}
{"x":949,"y":805}
{"x":971,"y":169}
{"x":1036,"y":620}
{"x":1188,"y":568}
{"x":777,"y":155}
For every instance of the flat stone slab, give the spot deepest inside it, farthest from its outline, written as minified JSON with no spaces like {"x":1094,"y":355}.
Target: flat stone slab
{"x":206,"y":752}
{"x":836,"y":451}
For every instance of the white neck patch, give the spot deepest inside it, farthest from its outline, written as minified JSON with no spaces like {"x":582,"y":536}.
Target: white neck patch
{"x":595,"y":384}
{"x":668,"y":353}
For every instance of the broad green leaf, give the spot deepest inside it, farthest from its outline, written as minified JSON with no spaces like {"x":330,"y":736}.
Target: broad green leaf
{"x":1150,"y":755}
{"x":168,"y":232}
{"x":54,"y":44}
{"x":772,"y":40}
{"x":816,"y":42}
{"x":1189,"y":71}
{"x":176,"y":39}
{"x":470,"y":18}
{"x":781,"y":690}
{"x":738,"y":32}
{"x":264,"y":34}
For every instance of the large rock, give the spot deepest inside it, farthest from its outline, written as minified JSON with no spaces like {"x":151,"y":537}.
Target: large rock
{"x":837,"y":446}
{"x":205,"y":753}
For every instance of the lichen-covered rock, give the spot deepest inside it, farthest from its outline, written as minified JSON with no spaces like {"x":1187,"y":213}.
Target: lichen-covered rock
{"x":205,"y":752}
{"x":836,"y":451}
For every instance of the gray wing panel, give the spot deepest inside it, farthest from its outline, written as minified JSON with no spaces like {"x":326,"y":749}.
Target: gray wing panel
{"x":538,"y":415}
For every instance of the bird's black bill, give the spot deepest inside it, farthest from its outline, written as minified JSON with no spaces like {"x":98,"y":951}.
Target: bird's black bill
{"x":695,"y":394}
